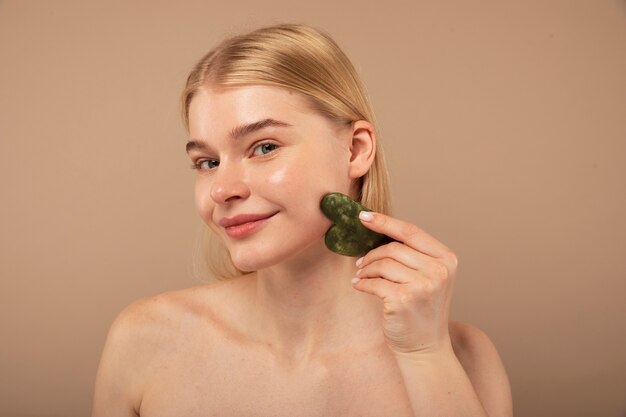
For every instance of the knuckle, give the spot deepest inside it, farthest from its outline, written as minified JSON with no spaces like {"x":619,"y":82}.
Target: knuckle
{"x":393,"y":246}
{"x":439,"y":282}
{"x":441,"y":271}
{"x":378,"y":268}
{"x":371,"y":270}
{"x":436,"y":287}
{"x":386,"y":263}
{"x":416,"y":293}
{"x":455,"y":261}
{"x":409,"y":230}
{"x":406,"y":297}
{"x":429,"y":289}
{"x":452,"y":259}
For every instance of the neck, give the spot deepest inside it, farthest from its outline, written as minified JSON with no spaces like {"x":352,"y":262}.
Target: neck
{"x":306,"y":306}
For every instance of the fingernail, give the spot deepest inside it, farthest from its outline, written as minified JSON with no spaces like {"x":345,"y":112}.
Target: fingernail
{"x":366,"y":216}
{"x":358,"y":272}
{"x":355,"y":280}
{"x":359,"y":261}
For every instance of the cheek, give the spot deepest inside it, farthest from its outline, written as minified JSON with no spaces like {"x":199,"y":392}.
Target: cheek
{"x":322,"y":172}
{"x":278,"y":177}
{"x":290,"y":186}
{"x":298,"y":182}
{"x":300,"y":186}
{"x":204,"y":203}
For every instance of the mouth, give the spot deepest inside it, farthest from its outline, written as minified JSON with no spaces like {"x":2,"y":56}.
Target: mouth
{"x":245,"y":224}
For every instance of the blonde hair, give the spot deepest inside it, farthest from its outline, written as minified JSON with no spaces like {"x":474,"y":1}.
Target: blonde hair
{"x":302,"y":59}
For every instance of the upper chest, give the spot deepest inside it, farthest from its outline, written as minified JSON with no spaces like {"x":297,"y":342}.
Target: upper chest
{"x":230,"y":379}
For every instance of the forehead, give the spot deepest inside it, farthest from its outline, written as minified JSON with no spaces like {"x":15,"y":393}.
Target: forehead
{"x":219,"y":109}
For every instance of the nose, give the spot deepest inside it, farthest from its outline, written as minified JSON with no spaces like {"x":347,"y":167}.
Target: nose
{"x":228,"y":185}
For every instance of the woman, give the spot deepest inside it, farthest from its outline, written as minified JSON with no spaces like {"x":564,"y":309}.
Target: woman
{"x":278,"y":118}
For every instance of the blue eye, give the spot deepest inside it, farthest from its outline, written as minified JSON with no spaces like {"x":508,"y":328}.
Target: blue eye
{"x":206,"y":164}
{"x":265,"y":148}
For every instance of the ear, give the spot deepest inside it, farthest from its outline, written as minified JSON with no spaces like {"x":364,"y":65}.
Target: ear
{"x":362,"y":148}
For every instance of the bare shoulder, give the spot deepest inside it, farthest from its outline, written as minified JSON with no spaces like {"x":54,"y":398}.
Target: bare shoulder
{"x":141,"y":338}
{"x":149,"y":325}
{"x":161,"y":311}
{"x":483,"y":365}
{"x":153,"y":319}
{"x":471,"y":345}
{"x":157,"y":318}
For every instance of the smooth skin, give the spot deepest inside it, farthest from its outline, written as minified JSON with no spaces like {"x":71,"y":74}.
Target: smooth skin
{"x":298,"y":336}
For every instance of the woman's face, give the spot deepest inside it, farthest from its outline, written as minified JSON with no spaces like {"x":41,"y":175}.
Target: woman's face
{"x":262,"y":153}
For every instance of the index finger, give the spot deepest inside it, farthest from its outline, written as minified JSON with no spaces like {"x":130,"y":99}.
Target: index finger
{"x":404,"y":232}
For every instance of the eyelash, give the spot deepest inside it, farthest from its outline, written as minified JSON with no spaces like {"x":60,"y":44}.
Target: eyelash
{"x":197,"y":164}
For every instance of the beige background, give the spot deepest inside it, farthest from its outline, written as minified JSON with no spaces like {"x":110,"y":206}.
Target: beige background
{"x":505,"y":128}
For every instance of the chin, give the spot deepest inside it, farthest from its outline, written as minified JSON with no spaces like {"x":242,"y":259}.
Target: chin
{"x":254,"y":260}
{"x":257,"y":258}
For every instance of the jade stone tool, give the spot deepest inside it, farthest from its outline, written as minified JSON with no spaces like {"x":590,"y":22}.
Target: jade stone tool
{"x":347,"y":236}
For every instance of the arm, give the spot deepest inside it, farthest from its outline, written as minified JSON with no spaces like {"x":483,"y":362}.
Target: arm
{"x":117,"y":389}
{"x":437,"y":386}
{"x":447,"y":372}
{"x":483,"y":366}
{"x":469,"y":380}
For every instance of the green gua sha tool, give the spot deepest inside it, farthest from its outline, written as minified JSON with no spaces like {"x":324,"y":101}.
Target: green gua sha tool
{"x":347,"y":236}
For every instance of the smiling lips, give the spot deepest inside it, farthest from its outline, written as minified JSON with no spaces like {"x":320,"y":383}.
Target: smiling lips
{"x":244,"y":224}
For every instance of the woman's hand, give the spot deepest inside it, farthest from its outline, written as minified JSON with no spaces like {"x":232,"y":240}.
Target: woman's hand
{"x":414,"y":279}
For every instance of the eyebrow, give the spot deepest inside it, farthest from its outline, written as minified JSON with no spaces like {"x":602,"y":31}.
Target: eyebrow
{"x":239,"y":132}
